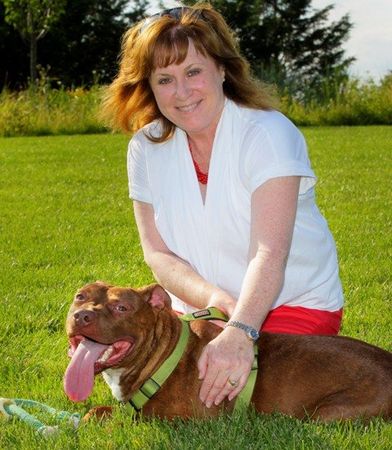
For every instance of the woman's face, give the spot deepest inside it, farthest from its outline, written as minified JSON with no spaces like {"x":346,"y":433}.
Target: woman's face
{"x":190,"y":94}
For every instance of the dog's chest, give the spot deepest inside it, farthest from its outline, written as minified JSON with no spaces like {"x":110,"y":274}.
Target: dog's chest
{"x":112,"y":378}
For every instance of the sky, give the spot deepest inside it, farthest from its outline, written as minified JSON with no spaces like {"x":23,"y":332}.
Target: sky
{"x":370,"y":40}
{"x":371,"y":37}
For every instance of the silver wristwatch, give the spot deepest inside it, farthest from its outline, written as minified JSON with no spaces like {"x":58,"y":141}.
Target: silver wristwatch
{"x":251,"y":333}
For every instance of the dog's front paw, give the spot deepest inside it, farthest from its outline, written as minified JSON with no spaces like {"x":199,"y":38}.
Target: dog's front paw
{"x":98,"y":413}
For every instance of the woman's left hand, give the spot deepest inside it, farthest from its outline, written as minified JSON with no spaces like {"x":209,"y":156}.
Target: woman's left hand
{"x":224,"y":366}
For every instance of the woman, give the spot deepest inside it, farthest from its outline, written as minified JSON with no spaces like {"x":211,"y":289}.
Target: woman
{"x":223,"y":191}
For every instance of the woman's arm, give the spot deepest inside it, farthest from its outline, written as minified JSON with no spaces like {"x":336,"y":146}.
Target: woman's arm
{"x":230,"y":355}
{"x":172,"y":272}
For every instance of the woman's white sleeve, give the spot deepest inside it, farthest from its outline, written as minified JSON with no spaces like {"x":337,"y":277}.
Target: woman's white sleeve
{"x":276,"y":151}
{"x":138,"y":180}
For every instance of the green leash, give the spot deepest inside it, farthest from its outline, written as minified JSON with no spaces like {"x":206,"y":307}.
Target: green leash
{"x":150,"y":387}
{"x":10,"y":407}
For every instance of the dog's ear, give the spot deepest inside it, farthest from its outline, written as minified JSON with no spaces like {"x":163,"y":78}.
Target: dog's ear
{"x":103,"y":283}
{"x":156,"y":296}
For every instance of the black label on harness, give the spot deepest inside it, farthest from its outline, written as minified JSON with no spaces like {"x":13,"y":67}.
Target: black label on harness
{"x":202,"y":313}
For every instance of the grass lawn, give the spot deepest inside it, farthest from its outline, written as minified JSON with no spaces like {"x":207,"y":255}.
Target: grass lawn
{"x":66,"y":220}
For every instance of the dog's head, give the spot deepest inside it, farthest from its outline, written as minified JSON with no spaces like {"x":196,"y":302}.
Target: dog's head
{"x":105,"y":326}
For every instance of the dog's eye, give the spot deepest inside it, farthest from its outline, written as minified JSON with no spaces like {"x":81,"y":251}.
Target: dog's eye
{"x":121,"y":308}
{"x":79,"y":297}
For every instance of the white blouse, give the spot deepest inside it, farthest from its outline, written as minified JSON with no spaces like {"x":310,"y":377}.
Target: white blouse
{"x":250,"y":147}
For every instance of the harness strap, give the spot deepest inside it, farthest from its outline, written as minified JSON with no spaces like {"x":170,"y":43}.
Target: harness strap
{"x":210,"y":313}
{"x":152,"y":385}
{"x":244,"y":397}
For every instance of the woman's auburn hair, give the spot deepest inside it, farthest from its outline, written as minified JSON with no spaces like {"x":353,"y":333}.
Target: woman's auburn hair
{"x":129,"y":102}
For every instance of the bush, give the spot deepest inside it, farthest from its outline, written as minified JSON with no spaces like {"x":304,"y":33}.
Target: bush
{"x":45,"y":110}
{"x":354,"y":103}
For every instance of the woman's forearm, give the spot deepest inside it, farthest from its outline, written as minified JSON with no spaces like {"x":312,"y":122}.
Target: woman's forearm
{"x":261,"y":286}
{"x":274,"y":206}
{"x":179,"y":278}
{"x":173,"y":273}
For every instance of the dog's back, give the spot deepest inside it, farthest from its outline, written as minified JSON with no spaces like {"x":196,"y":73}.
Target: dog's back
{"x":326,"y":377}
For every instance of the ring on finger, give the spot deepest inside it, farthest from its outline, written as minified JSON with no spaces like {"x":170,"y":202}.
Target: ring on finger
{"x":233,"y":383}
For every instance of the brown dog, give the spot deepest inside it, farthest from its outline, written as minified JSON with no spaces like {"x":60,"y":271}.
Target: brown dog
{"x":126,"y":334}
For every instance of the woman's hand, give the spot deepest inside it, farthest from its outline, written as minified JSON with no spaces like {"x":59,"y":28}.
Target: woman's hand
{"x":224,"y":302}
{"x":224,"y":366}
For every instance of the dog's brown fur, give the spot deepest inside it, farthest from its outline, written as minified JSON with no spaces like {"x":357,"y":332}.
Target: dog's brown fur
{"x":322,"y":377}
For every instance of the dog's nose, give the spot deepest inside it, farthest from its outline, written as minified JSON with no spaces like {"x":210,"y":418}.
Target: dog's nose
{"x":84,"y":317}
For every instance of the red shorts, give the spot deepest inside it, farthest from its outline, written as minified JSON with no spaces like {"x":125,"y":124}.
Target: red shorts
{"x":299,"y":320}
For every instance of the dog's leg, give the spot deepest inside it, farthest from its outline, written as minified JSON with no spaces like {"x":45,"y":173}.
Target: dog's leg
{"x":99,"y":413}
{"x":344,"y":405}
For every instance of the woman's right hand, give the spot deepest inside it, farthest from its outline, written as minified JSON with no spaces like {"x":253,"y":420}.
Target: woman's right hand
{"x":224,"y":302}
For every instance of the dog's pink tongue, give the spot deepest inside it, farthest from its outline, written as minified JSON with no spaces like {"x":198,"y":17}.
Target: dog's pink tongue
{"x":79,"y":376}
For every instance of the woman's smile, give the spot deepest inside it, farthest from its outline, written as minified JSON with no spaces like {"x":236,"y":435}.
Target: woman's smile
{"x":189,"y":108}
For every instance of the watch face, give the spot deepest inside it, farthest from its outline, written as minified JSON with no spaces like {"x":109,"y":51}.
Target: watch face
{"x":254,"y":334}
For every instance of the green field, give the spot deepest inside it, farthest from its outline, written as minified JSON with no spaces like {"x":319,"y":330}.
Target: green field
{"x":66,"y":220}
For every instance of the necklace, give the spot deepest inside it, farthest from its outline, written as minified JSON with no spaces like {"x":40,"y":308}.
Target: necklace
{"x":201,"y":176}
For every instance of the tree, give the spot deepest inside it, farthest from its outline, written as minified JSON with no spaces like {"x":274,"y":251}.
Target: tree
{"x":33,"y":19}
{"x":14,"y":65}
{"x":288,"y":42}
{"x":83,"y":49}
{"x":138,"y":11}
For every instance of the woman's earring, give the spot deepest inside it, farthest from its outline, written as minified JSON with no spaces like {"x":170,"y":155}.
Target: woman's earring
{"x":223,"y":74}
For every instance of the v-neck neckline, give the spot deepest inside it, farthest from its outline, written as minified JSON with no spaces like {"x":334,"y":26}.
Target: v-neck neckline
{"x":203,"y":200}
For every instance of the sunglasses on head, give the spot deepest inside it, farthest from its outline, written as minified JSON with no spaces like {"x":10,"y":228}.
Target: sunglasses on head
{"x":175,"y":13}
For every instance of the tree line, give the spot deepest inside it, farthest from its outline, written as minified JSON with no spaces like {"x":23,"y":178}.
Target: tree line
{"x":76,"y":42}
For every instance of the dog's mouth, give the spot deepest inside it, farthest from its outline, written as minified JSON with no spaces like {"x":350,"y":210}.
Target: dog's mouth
{"x":89,"y":358}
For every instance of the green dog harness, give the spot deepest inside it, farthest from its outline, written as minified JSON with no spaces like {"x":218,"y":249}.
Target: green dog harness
{"x":151,"y":386}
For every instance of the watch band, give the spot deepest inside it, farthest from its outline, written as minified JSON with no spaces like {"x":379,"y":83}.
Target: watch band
{"x":251,"y":333}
